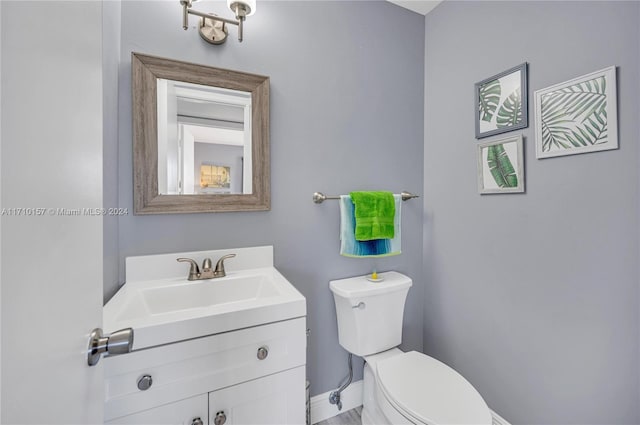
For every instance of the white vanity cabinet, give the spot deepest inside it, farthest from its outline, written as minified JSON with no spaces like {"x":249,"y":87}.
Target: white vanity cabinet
{"x":274,"y":400}
{"x":252,"y":376}
{"x":223,"y":351}
{"x":183,"y":412}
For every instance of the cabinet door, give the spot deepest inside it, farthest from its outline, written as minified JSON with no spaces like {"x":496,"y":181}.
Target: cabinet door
{"x":183,"y":412}
{"x":277,"y":399}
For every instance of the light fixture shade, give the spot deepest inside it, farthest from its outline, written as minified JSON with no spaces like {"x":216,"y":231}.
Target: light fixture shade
{"x":250,"y":4}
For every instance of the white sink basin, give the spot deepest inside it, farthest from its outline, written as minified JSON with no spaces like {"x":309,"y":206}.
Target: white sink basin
{"x":162,"y":311}
{"x":233,"y":288}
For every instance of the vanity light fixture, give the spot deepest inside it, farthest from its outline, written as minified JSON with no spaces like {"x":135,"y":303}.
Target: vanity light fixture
{"x":213,"y":28}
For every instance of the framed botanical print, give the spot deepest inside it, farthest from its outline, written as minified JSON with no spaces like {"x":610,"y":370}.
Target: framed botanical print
{"x":501,"y":102}
{"x":501,"y":166}
{"x":577,"y":116}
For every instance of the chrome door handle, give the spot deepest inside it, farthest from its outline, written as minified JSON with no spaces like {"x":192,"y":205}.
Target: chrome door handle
{"x":119,"y":342}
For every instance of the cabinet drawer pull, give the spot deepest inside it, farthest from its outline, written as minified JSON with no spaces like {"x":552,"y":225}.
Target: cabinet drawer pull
{"x":145,"y":382}
{"x":197,"y":421}
{"x":220,"y":418}
{"x":263,"y":352}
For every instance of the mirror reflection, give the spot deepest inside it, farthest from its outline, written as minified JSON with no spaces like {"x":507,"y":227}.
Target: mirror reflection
{"x":200,"y":138}
{"x":204,"y":139}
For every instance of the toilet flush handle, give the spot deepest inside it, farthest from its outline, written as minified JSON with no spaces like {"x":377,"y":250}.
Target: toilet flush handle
{"x":361,"y":305}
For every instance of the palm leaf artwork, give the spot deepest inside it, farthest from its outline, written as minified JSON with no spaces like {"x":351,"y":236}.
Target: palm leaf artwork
{"x":489,"y":97}
{"x":575,"y":116}
{"x":510,"y":112}
{"x":500,"y":167}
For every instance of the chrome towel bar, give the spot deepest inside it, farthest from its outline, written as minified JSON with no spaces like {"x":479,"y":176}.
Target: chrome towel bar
{"x":319,"y":197}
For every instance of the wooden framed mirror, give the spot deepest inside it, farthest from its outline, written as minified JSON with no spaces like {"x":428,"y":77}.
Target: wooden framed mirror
{"x":200,"y":138}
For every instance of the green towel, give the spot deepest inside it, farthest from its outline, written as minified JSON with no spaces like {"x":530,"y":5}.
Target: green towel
{"x":374,"y":214}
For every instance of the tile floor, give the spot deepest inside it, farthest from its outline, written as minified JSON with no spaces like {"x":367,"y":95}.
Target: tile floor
{"x":350,"y":417}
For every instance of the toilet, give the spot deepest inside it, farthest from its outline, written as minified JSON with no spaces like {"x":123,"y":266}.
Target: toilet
{"x":399,"y":387}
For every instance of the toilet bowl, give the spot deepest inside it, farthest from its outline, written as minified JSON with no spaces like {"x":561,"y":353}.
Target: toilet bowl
{"x":413,"y":388}
{"x":399,"y":387}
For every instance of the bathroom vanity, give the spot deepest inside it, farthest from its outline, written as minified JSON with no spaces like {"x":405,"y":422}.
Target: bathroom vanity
{"x":230,"y":350}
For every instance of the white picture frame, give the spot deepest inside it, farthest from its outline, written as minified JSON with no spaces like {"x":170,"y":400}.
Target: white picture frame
{"x":577,"y":116}
{"x":501,"y":166}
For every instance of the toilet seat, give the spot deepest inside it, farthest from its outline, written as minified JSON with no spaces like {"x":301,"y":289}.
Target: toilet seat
{"x":426,"y":391}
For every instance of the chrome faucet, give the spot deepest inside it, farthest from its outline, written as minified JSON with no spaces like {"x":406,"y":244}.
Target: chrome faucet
{"x":219,"y":270}
{"x":207,"y":271}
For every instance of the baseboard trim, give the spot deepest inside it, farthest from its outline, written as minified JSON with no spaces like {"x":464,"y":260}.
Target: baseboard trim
{"x":351,"y":398}
{"x":498,"y":420}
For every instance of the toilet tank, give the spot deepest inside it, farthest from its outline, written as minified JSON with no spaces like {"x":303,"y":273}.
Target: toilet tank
{"x":370,"y":313}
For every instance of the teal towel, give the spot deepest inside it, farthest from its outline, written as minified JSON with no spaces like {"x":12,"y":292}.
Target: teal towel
{"x":374,"y":213}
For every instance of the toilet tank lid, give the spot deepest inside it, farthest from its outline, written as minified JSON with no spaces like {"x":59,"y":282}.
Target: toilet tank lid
{"x":360,"y":286}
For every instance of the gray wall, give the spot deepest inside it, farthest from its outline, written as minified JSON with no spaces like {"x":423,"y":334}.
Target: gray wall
{"x":534,"y":297}
{"x":111,"y":12}
{"x":346,"y":114}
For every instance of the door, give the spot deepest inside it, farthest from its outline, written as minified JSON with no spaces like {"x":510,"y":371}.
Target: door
{"x":51,"y":126}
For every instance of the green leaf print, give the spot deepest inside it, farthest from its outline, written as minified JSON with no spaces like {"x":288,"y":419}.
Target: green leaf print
{"x":510,"y":112}
{"x":489,"y":95}
{"x":575,"y":116}
{"x":500,"y":166}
